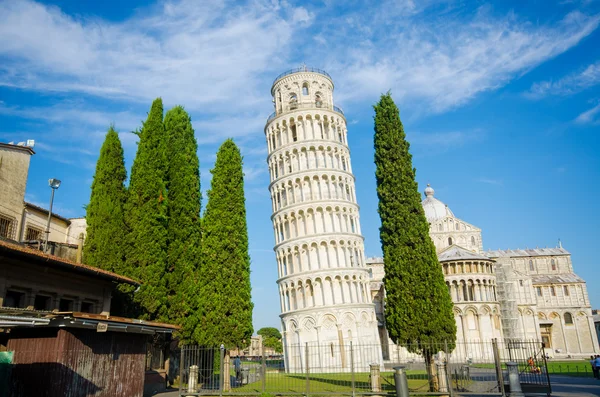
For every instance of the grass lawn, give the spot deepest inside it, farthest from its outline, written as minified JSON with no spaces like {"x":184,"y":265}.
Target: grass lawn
{"x":341,"y":383}
{"x":567,"y":368}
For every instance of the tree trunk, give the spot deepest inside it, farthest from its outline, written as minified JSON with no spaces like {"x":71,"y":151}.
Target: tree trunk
{"x":434,"y":385}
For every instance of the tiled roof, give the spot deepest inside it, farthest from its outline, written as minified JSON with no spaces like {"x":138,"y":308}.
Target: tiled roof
{"x":457,"y":253}
{"x":527,"y":252}
{"x":9,"y":247}
{"x":17,"y":147}
{"x":564,"y":278}
{"x":45,"y":211}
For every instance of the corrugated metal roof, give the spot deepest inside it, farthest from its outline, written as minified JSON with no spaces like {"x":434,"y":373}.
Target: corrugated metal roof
{"x":564,"y":278}
{"x":57,"y":262}
{"x":526,"y":252}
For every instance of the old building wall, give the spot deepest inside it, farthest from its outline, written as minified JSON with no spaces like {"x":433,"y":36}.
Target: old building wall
{"x":38,"y":220}
{"x":76,"y":362}
{"x":63,"y":290}
{"x":14,"y":168}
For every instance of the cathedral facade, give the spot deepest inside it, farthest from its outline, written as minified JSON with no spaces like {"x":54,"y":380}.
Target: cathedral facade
{"x":531,"y":294}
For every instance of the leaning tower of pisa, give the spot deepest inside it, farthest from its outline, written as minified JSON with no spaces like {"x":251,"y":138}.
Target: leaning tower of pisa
{"x":326,"y":309}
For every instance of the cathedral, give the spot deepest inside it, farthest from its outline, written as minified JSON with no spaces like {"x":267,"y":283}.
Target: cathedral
{"x":530,"y":294}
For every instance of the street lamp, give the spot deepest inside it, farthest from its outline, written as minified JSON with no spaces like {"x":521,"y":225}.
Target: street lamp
{"x":54,"y":184}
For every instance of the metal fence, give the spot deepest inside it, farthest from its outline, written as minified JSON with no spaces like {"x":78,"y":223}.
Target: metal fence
{"x":477,"y":368}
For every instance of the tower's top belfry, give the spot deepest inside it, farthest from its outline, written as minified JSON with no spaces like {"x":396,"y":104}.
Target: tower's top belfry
{"x":302,"y":88}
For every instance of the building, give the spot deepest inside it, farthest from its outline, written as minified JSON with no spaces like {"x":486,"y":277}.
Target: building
{"x":323,"y":277}
{"x":530,"y":294}
{"x":26,"y":222}
{"x":55,"y":320}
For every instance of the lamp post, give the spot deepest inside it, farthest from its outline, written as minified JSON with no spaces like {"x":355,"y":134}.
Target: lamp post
{"x":54,"y":184}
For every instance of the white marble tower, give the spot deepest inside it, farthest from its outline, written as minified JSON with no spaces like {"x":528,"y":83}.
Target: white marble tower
{"x":323,"y":279}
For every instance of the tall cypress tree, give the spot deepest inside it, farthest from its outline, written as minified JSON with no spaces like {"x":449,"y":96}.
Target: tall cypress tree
{"x":224,"y":277}
{"x":418,"y":307}
{"x":146,"y":217}
{"x":105,"y":243}
{"x":183,"y":185}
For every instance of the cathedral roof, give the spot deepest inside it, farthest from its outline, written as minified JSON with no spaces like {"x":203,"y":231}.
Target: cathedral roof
{"x":527,"y":252}
{"x":457,"y":253}
{"x":556,"y":278}
{"x":434,"y":208}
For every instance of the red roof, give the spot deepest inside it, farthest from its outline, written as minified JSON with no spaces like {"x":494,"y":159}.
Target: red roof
{"x":61,"y":263}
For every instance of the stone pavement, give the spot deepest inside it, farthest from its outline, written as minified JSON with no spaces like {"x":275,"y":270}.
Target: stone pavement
{"x":570,"y":386}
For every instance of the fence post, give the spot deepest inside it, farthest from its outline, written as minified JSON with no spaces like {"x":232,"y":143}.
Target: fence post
{"x":448,"y":369}
{"x":352,"y":369}
{"x":375,"y":378}
{"x":222,"y":369}
{"x":264,"y":369}
{"x":498,"y":365}
{"x":513,"y":379}
{"x":401,"y":382}
{"x":181,"y":369}
{"x":193,"y":379}
{"x":546,"y":370}
{"x":307,"y":369}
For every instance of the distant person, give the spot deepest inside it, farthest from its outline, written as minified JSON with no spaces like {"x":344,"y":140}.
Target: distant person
{"x":237,"y":364}
{"x":597,"y":366}
{"x":594,"y":368}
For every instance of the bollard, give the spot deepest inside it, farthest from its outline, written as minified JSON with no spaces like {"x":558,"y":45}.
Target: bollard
{"x":513,"y":379}
{"x":193,"y":380}
{"x":401,"y":382}
{"x":442,"y":378}
{"x":375,"y":379}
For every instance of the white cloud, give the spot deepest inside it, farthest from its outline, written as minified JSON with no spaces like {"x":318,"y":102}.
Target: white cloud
{"x":568,"y":85}
{"x":302,"y":15}
{"x":589,"y":116}
{"x":490,"y":181}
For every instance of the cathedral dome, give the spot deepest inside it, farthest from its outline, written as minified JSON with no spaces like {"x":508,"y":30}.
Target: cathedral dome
{"x":434,"y":208}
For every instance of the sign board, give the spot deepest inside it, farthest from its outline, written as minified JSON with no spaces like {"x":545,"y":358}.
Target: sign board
{"x":102,"y":327}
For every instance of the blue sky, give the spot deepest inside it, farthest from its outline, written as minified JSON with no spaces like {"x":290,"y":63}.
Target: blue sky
{"x":500,"y":101}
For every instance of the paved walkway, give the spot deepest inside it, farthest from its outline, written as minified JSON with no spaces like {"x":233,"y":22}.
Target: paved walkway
{"x":570,"y":386}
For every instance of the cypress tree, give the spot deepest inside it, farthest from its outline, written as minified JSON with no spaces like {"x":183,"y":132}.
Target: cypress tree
{"x":224,"y":277}
{"x":418,"y":307}
{"x":146,"y":217}
{"x":105,"y":244}
{"x":183,"y":185}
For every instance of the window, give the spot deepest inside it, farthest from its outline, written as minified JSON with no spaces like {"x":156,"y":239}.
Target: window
{"x":318,"y":100}
{"x":14,"y":299}
{"x":568,"y":319}
{"x":7,"y":227}
{"x":539,"y":291}
{"x":552,"y":291}
{"x":42,"y":302}
{"x":521,"y":283}
{"x":33,"y":233}
{"x":87,"y":307}
{"x":293,"y":101}
{"x":472,"y":240}
{"x":305,"y":89}
{"x":449,"y":240}
{"x":294,"y":135}
{"x":65,"y":305}
{"x":531,"y":267}
{"x":566,"y":290}
{"x":553,"y":264}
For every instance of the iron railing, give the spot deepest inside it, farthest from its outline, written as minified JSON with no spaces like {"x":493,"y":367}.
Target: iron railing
{"x":300,"y":70}
{"x":353,"y":368}
{"x":304,"y":105}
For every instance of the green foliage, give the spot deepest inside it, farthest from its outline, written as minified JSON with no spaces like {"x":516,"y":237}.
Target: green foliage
{"x":146,"y":217}
{"x":273,"y":343}
{"x":183,"y":185}
{"x":418,"y":308}
{"x":224,"y":277}
{"x":105,"y":243}
{"x":269,"y":332}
